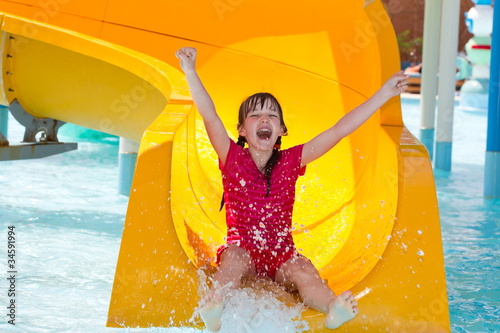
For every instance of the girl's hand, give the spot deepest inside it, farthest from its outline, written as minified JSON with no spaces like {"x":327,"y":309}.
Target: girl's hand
{"x":396,"y":85}
{"x":187,"y":57}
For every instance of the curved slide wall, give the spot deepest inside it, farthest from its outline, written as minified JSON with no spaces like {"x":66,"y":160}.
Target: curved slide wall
{"x":366,"y":213}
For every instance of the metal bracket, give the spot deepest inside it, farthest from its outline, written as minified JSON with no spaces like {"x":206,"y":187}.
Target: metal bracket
{"x":47,"y":145}
{"x":47,"y":126}
{"x":34,"y":150}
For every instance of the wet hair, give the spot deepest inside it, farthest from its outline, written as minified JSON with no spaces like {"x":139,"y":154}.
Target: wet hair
{"x":248,"y":106}
{"x":261,"y":99}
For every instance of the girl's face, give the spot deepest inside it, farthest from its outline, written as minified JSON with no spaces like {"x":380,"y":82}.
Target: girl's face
{"x":262,"y":126}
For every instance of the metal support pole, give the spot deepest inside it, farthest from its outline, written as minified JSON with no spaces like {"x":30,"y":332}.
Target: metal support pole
{"x":492,"y":163}
{"x":4,"y":120}
{"x":430,"y":57}
{"x":446,"y":86}
{"x":126,"y":164}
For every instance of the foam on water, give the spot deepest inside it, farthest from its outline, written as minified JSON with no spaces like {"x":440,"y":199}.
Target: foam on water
{"x":259,"y":306}
{"x":250,"y":310}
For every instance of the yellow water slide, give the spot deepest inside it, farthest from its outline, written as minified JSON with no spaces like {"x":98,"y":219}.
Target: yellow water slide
{"x":366,"y":213}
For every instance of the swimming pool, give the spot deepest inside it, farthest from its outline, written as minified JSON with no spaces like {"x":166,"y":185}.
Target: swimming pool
{"x":470,"y":225}
{"x":68,"y":220}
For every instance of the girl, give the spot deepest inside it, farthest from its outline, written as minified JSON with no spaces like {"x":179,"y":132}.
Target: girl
{"x":259,"y":192}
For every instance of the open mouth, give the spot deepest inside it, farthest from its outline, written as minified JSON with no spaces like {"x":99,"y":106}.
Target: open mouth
{"x":264,"y":134}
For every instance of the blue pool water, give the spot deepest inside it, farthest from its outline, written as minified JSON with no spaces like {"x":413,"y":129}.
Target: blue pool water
{"x":470,"y":225}
{"x":68,"y":219}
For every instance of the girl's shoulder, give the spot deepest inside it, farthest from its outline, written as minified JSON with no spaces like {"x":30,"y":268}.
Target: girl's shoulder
{"x":235,"y":154}
{"x":292,"y":157}
{"x":293,"y":151}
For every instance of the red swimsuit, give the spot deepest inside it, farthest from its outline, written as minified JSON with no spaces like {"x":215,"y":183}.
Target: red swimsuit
{"x":260,"y":225}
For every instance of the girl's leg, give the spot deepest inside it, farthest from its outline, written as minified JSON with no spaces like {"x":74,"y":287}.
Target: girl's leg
{"x":300,"y":273}
{"x":235,"y":263}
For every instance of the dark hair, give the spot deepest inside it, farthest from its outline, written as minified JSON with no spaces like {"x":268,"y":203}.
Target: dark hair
{"x":261,"y":98}
{"x":246,"y":107}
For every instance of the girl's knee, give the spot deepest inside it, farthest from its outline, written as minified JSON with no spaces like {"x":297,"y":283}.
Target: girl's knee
{"x":235,"y":253}
{"x":296,"y":271}
{"x":235,"y":256}
{"x":302,"y":265}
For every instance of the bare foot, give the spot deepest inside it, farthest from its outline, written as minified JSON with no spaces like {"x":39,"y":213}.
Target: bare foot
{"x":342,"y":309}
{"x":211,"y":312}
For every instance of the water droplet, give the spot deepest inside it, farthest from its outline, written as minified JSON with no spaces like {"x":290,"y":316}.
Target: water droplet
{"x":420,"y":252}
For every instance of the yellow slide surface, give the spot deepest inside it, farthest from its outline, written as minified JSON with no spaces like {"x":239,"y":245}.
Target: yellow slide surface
{"x":366,"y":213}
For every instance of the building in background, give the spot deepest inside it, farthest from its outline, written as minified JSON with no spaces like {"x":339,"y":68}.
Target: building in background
{"x":408,"y":20}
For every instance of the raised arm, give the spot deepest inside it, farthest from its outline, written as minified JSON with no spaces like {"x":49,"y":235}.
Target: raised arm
{"x":215,"y":128}
{"x":326,"y":140}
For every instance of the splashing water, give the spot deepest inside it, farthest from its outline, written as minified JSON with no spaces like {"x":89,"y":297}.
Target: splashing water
{"x":259,"y":311}
{"x":260,"y":306}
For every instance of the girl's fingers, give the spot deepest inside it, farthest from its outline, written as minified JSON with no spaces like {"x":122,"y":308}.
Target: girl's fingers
{"x":186,"y":52}
{"x":402,"y":83}
{"x":179,"y":54}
